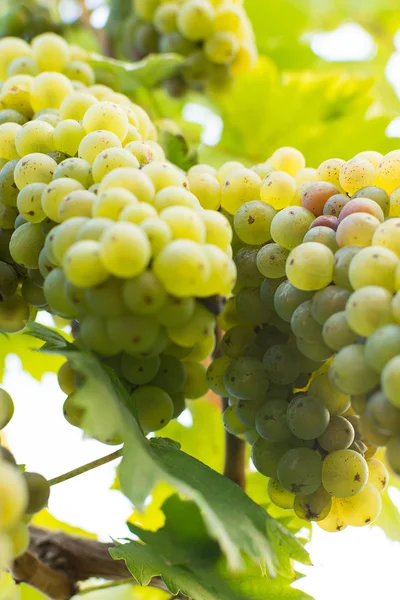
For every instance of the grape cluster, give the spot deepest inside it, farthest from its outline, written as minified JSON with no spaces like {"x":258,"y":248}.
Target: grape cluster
{"x":214,"y":36}
{"x":311,"y":353}
{"x":21,"y":496}
{"x":26,"y":18}
{"x":104,"y":231}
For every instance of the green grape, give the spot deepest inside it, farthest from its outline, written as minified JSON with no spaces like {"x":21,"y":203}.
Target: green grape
{"x":335,"y":401}
{"x":177,"y":351}
{"x":278,"y":189}
{"x":246,"y":378}
{"x":343,"y":259}
{"x":67,"y":136}
{"x":82,"y":264}
{"x":33,"y":294}
{"x":313,"y":507}
{"x":8,"y":138}
{"x":184,"y":223}
{"x":396,"y":307}
{"x":153,"y":406}
{"x":8,"y":215}
{"x":368,"y":309}
{"x":162,"y":175}
{"x":246,"y":261}
{"x":279,"y":496}
{"x":279,"y":391}
{"x":378,"y":475}
{"x":196,"y":384}
{"x":25,"y":245}
{"x":231,"y":421}
{"x":316,"y":196}
{"x":215,"y":375}
{"x":137,"y":213}
{"x":268,"y":289}
{"x":144,"y":294}
{"x":357,"y":230}
{"x":221,"y":47}
{"x":381,"y":346}
{"x":95,"y":142}
{"x":124,"y":250}
{"x":197,"y":330}
{"x":14,"y":495}
{"x":54,"y":195}
{"x":271,"y":261}
{"x":195,"y":19}
{"x":391,"y":381}
{"x":350,"y":373}
{"x":45,"y":264}
{"x":310,"y":266}
{"x":287,"y":298}
{"x":393,"y":454}
{"x":239,"y":186}
{"x":377,"y":194}
{"x":73,"y":414}
{"x":327,"y":302}
{"x":323,"y":235}
{"x":333,"y":522}
{"x":361,"y":509}
{"x":266,"y":456}
{"x":106,"y":116}
{"x":145,"y":9}
{"x":165,"y":18}
{"x":171,"y":375}
{"x":139,"y":371}
{"x":50,"y":51}
{"x":344,"y":473}
{"x":179,"y":403}
{"x":337,"y":333}
{"x":19,"y":536}
{"x":158,"y":233}
{"x":55,"y":293}
{"x":29,"y":202}
{"x":333,"y":206}
{"x":62,"y":237}
{"x":105,"y":299}
{"x":290,"y":225}
{"x":11,"y":116}
{"x":34,"y":136}
{"x":93,"y":229}
{"x":251,"y":435}
{"x":19,"y":221}
{"x":66,"y":378}
{"x":182,"y":267}
{"x":267,"y":336}
{"x":133,"y":333}
{"x":317,"y":352}
{"x":250,"y":308}
{"x":238,"y":340}
{"x":374,"y":266}
{"x":34,"y":168}
{"x":339,"y":435}
{"x":355,"y":420}
{"x":271,"y":421}
{"x":382,"y":414}
{"x":247,"y":411}
{"x":78,"y":70}
{"x":387,"y":236}
{"x":8,"y":281}
{"x":38,"y":492}
{"x":281,"y":364}
{"x":299,"y":471}
{"x":93,"y":334}
{"x":175,"y":312}
{"x":206,"y":187}
{"x":252,"y":222}
{"x":6,"y":408}
{"x":372,"y":434}
{"x":75,"y":105}
{"x":196,"y":67}
{"x":304,"y":325}
{"x":158,"y":345}
{"x":307,"y":417}
{"x":110,"y":159}
{"x":75,"y":168}
{"x":8,"y":189}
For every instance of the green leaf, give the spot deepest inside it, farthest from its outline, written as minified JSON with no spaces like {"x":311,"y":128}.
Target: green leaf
{"x":177,"y":149}
{"x":26,"y":348}
{"x":389,"y":519}
{"x":51,"y":336}
{"x":148,"y":72}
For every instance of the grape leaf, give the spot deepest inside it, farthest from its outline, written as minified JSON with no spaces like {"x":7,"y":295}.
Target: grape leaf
{"x":26,"y":348}
{"x":145,"y":73}
{"x":177,"y":149}
{"x":237,"y":523}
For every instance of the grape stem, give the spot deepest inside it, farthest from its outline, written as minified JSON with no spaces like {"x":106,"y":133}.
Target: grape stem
{"x":106,"y":586}
{"x":234,"y":465}
{"x":85,"y":468}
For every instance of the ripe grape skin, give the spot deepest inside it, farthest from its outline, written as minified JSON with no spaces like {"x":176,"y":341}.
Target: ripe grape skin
{"x":75,"y":168}
{"x":336,"y":402}
{"x":271,"y":261}
{"x":361,"y":509}
{"x":368,"y":309}
{"x":105,"y":299}
{"x":327,"y":302}
{"x":246,"y":378}
{"x":317,"y":195}
{"x":231,"y":422}
{"x":343,"y":259}
{"x":344,"y":473}
{"x":55,"y":193}
{"x":309,"y":266}
{"x":6,"y":408}
{"x":14,"y":495}
{"x":307,"y":417}
{"x":34,"y":167}
{"x":250,"y":308}
{"x":252,"y":222}
{"x":281,"y":364}
{"x":196,"y":383}
{"x":8,"y":281}
{"x":153,"y":406}
{"x":215,"y":375}
{"x":246,"y":411}
{"x":287,"y":298}
{"x":38,"y":492}
{"x":289,"y":226}
{"x":334,"y":205}
{"x":25,"y":245}
{"x":377,"y":194}
{"x":78,"y":203}
{"x":238,"y":187}
{"x":378,"y":475}
{"x":124,"y":250}
{"x":387,"y":235}
{"x":350,"y":373}
{"x":339,"y":435}
{"x":279,"y":496}
{"x":29,"y":202}
{"x":182,"y":266}
{"x":374,"y":265}
{"x":304,"y":325}
{"x":391,"y":381}
{"x":333,"y":522}
{"x":271,"y":421}
{"x":299,"y":471}
{"x":337,"y":333}
{"x":278,"y":189}
{"x":323,"y":235}
{"x":381,"y":346}
{"x":357,"y":230}
{"x":266,"y":456}
{"x":355,"y":174}
{"x":313,"y":507}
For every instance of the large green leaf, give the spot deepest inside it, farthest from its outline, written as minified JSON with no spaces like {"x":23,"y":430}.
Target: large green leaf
{"x":146,"y":73}
{"x":237,"y":523}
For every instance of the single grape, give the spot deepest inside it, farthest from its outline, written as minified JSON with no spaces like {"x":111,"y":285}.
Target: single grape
{"x":171,"y":375}
{"x":339,"y":435}
{"x":279,"y":496}
{"x":215,"y":375}
{"x":287,"y":298}
{"x":327,"y":302}
{"x":246,"y":411}
{"x":266,"y":456}
{"x":307,"y":417}
{"x":6,"y":408}
{"x":246,"y":378}
{"x":355,"y":174}
{"x":374,"y":266}
{"x":105,"y":299}
{"x":316,"y":196}
{"x":278,"y":189}
{"x":304,"y":325}
{"x":391,"y":381}
{"x":361,"y":509}
{"x":315,"y":351}
{"x":8,"y":281}
{"x":381,"y":346}
{"x":368,"y":309}
{"x":357,"y":229}
{"x":335,"y":401}
{"x":310,"y":266}
{"x":290,"y":225}
{"x":344,"y":473}
{"x":66,"y":378}
{"x":334,"y":205}
{"x":252,"y":222}
{"x":271,"y":421}
{"x":350,"y":373}
{"x":281,"y":364}
{"x":333,"y":522}
{"x":343,"y":259}
{"x":313,"y":507}
{"x":299,"y":471}
{"x":231,"y":422}
{"x":378,"y":475}
{"x":377,"y":194}
{"x":38,"y":492}
{"x":337,"y":333}
{"x":153,"y":406}
{"x":144,"y":295}
{"x":14,"y":495}
{"x":14,"y":314}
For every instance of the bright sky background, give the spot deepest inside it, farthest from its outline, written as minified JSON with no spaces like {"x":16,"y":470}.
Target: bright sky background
{"x":356,"y":563}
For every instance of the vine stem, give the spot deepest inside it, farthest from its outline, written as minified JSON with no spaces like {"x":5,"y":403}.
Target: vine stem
{"x":85,"y":468}
{"x":106,"y":586}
